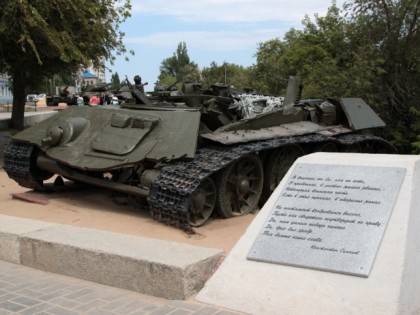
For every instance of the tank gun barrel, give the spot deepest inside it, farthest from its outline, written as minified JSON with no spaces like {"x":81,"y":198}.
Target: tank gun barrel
{"x":128,"y":82}
{"x":173,"y":84}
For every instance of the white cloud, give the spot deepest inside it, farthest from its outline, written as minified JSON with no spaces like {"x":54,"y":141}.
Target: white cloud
{"x":243,"y":22}
{"x":214,"y":30}
{"x":231,"y":11}
{"x":207,"y":40}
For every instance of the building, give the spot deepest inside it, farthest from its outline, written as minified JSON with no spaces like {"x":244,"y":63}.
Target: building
{"x":89,"y":78}
{"x":99,"y":73}
{"x":5,"y":92}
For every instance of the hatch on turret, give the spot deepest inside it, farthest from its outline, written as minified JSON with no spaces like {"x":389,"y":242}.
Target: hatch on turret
{"x":124,"y":133}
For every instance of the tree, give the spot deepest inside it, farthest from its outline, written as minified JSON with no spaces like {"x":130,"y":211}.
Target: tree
{"x":371,"y":51}
{"x":115,"y":81}
{"x":271,"y":72}
{"x":178,"y":66}
{"x":393,"y":27}
{"x":42,"y":38}
{"x":322,"y":54}
{"x":226,"y":73}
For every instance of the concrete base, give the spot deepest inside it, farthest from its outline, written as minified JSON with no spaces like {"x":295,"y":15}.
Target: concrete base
{"x":393,"y":286}
{"x":11,"y":230}
{"x":159,"y":268}
{"x":30,"y":119}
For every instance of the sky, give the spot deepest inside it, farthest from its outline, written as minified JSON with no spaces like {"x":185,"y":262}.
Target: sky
{"x":213,"y":30}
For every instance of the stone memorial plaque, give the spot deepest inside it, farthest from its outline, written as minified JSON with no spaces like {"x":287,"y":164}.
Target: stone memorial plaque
{"x":329,"y":217}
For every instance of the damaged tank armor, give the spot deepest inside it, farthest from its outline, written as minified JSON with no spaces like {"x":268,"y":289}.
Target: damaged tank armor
{"x":194,"y":152}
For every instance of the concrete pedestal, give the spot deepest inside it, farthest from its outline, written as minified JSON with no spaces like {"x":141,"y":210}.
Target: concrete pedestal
{"x":154,"y":267}
{"x":393,"y":286}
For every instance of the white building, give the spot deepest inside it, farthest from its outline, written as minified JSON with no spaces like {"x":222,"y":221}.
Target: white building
{"x":99,"y":73}
{"x":5,"y":92}
{"x":88,"y":77}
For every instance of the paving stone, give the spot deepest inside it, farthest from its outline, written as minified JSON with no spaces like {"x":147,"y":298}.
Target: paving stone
{"x":82,"y":297}
{"x":206,"y":311}
{"x":25,"y":301}
{"x":65,"y":302}
{"x":185,"y":305}
{"x":10,"y":306}
{"x":38,"y":309}
{"x":62,"y":311}
{"x":181,"y":312}
{"x":89,"y":306}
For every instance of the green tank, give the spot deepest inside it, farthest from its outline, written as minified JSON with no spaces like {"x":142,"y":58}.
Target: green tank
{"x":194,"y":152}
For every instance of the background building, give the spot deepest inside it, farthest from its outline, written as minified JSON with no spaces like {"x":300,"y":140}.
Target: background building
{"x":99,"y":73}
{"x":82,"y":78}
{"x":89,"y":78}
{"x":5,"y":92}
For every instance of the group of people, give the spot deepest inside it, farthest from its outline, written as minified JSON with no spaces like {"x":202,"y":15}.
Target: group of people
{"x":104,"y":98}
{"x":97,"y":99}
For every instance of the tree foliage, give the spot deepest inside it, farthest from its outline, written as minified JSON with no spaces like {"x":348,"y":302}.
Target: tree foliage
{"x":115,"y":81}
{"x":394,"y":28}
{"x":369,"y":50}
{"x":322,"y":53}
{"x":41,"y":38}
{"x":270,"y":71}
{"x":226,"y":73}
{"x":179,"y":66}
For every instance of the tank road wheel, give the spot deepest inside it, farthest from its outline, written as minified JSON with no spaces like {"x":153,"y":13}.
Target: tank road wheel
{"x":202,"y":202}
{"x":240,"y":186}
{"x":278,"y":164}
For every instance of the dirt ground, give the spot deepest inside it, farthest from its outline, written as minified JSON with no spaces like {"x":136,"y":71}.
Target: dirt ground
{"x":95,"y":208}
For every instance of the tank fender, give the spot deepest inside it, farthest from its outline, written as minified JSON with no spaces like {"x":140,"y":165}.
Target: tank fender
{"x":359,"y":114}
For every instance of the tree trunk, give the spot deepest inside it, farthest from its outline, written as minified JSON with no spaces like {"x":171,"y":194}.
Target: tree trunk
{"x":19,"y":100}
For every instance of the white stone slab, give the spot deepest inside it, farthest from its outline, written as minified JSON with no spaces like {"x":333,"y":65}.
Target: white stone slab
{"x":393,"y":286}
{"x":11,"y":229}
{"x":161,"y":268}
{"x":329,"y":217}
{"x":155,"y":267}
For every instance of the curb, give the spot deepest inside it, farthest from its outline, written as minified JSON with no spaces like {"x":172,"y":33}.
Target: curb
{"x":154,"y":267}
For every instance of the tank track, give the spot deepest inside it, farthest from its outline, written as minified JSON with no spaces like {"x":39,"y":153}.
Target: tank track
{"x":170,"y":192}
{"x":19,"y":164}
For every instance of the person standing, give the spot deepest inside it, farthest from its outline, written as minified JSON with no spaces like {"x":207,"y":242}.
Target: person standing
{"x":94,"y":100}
{"x":80,"y":101}
{"x":105,"y":100}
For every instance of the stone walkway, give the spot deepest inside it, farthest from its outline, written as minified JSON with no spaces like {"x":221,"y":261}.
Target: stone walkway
{"x":29,"y":291}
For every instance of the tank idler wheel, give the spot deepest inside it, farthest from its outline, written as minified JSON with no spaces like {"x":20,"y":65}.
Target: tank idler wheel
{"x":352,"y":148}
{"x":278,"y":164}
{"x":202,"y":202}
{"x":240,"y":186}
{"x":325,"y":147}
